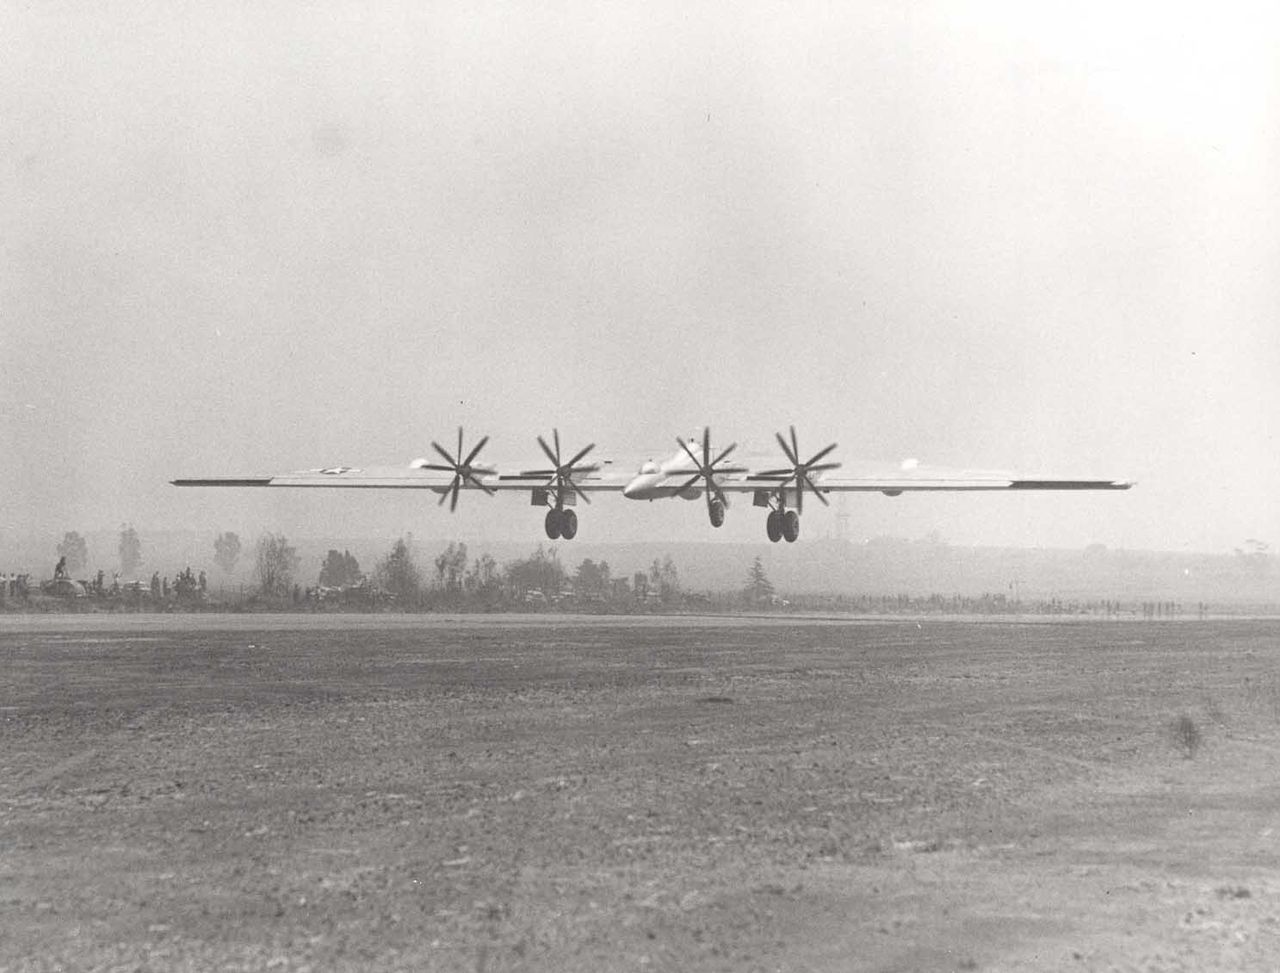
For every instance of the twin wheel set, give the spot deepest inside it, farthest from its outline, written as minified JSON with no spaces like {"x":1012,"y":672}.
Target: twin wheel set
{"x":562,"y":522}
{"x":783,"y":525}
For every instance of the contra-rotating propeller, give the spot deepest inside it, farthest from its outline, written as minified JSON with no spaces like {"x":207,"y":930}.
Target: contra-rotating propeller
{"x":799,"y":471}
{"x":462,"y":469}
{"x":562,"y":474}
{"x":707,"y":469}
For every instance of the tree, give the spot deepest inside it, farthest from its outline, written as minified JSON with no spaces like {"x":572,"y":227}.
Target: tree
{"x":75,"y":551}
{"x":592,"y":578}
{"x":275,"y":564}
{"x":451,"y":566}
{"x":759,"y":588}
{"x":398,"y":575}
{"x":483,"y":576}
{"x":667,"y":579}
{"x":541,"y":572}
{"x":339,"y":570}
{"x":226,"y":551}
{"x":130,"y":551}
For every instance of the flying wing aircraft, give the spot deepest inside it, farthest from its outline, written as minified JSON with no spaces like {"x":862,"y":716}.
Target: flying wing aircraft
{"x":691,"y":473}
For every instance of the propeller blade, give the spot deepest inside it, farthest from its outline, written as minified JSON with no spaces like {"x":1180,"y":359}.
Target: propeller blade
{"x":696,"y":477}
{"x":472,"y":455}
{"x":453,"y":463}
{"x":714,"y":488}
{"x":729,"y":449}
{"x":772,"y":473}
{"x":578,"y":490}
{"x":817,"y":493}
{"x":574,"y":462}
{"x":436,"y":466}
{"x":688,"y":452}
{"x":786,"y":449}
{"x":457,"y":487}
{"x":445,"y":493}
{"x":459,"y":442}
{"x":556,"y":434}
{"x":547,"y":449}
{"x":795,"y":447}
{"x":817,"y":456}
{"x":706,"y":445}
{"x":823,"y":466}
{"x":476,"y":481}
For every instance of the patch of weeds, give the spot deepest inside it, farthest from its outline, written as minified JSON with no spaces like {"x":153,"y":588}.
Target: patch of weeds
{"x":1234,"y":892}
{"x":1186,"y":736}
{"x":1214,"y":712}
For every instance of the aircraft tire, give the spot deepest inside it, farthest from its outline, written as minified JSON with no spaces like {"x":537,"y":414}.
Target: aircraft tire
{"x":773,"y":526}
{"x":791,"y":526}
{"x":717,"y":513}
{"x":568,"y":524}
{"x":553,"y":523}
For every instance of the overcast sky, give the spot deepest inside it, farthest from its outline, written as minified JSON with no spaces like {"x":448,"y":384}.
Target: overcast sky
{"x":256,"y":237}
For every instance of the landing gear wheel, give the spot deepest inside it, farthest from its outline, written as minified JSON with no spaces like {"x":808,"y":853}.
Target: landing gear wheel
{"x":553,"y":523}
{"x":791,"y":526}
{"x":773,"y":525}
{"x":716,"y":511}
{"x":568,"y":524}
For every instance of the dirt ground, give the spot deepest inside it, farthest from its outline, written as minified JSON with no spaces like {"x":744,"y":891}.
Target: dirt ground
{"x":196,"y":793}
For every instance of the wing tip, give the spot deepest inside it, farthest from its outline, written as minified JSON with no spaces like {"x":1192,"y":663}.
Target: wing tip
{"x":1071,"y":484}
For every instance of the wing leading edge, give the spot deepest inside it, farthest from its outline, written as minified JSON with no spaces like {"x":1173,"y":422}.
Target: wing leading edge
{"x":398,"y":478}
{"x":893,"y":485}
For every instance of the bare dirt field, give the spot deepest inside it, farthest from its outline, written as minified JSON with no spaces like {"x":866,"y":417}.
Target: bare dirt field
{"x":198,"y":793}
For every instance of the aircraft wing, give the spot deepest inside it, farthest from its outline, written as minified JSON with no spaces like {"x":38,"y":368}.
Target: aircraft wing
{"x":411,"y":477}
{"x":870,"y":478}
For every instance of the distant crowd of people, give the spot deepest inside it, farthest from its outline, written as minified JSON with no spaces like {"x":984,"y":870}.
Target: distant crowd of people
{"x":188,"y":585}
{"x":14,"y":585}
{"x":184,"y":585}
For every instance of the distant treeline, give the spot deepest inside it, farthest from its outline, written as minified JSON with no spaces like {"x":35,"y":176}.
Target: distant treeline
{"x":453,"y":580}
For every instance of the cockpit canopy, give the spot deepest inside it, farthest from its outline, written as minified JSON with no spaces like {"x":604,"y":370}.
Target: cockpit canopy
{"x":649,"y":467}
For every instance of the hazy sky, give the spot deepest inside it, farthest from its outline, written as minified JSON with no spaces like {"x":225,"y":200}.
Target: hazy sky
{"x":255,"y":237}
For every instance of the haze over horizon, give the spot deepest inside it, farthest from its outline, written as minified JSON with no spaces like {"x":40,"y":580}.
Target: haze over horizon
{"x":256,"y":238}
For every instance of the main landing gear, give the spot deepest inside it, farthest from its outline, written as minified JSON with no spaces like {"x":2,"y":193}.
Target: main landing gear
{"x":561,"y":522}
{"x":706,"y":469}
{"x":783,"y":525}
{"x":715,"y":510}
